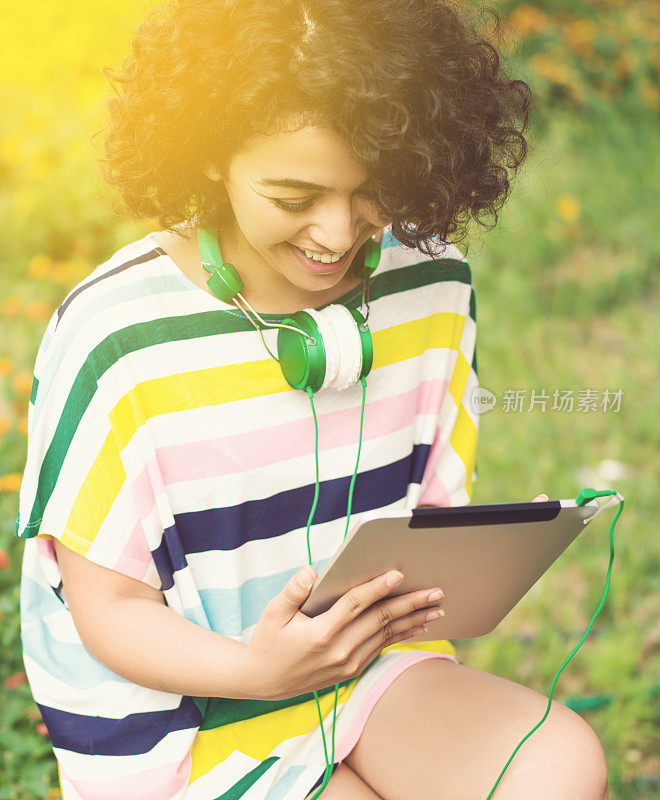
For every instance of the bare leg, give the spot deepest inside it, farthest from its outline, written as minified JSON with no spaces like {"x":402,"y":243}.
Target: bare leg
{"x":344,"y":784}
{"x":444,"y":731}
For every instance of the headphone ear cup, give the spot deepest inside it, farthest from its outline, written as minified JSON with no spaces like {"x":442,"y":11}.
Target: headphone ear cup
{"x":302,"y":362}
{"x":331,"y":345}
{"x":341,"y":354}
{"x":347,"y":364}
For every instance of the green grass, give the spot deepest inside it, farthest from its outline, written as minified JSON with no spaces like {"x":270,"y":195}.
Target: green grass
{"x":575,"y":306}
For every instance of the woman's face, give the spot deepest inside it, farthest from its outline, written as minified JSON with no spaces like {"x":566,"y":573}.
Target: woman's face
{"x":266,"y":236}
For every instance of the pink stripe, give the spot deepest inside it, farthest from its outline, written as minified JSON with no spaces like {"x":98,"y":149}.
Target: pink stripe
{"x":435,"y":492}
{"x":142,"y":490}
{"x":248,"y":451}
{"x":373,"y":696}
{"x":240,"y":452}
{"x":158,"y":783}
{"x":135,"y":558}
{"x":46,"y":549}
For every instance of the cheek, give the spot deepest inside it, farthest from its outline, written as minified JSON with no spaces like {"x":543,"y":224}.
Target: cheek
{"x":265,"y":224}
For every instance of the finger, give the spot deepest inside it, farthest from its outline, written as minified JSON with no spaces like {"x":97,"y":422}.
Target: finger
{"x":542,"y":498}
{"x":284,"y":606}
{"x":364,"y":655}
{"x":356,"y":600}
{"x":394,"y":615}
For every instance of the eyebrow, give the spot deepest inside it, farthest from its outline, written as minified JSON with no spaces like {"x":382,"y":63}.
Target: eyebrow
{"x":294,"y":183}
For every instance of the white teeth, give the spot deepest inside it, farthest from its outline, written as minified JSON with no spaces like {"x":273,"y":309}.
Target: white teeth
{"x":326,"y":258}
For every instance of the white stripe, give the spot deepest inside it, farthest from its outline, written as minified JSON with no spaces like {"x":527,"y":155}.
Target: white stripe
{"x":171,"y":749}
{"x":108,"y":699}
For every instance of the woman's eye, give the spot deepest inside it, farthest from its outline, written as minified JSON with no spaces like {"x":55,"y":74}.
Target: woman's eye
{"x":293,"y":206}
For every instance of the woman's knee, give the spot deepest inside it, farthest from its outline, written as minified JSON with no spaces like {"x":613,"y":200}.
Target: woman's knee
{"x":566,"y":751}
{"x":455,"y":727}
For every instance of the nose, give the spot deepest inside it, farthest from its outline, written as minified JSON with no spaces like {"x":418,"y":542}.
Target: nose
{"x":335,"y":228}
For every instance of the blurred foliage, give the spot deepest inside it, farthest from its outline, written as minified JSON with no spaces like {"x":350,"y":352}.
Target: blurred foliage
{"x":567,"y":296}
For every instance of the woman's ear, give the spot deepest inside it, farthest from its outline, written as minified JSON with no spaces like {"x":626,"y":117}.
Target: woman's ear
{"x":213,"y":173}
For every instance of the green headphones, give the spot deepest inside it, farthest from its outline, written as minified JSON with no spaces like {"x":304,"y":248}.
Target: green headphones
{"x":335,"y":349}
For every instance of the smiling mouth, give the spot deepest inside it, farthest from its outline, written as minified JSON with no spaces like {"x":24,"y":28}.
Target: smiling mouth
{"x":324,"y":258}
{"x":321,"y":267}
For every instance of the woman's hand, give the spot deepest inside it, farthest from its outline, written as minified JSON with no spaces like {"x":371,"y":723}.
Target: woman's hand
{"x":292,"y":653}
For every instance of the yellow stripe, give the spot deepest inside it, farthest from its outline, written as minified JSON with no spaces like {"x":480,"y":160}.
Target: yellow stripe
{"x":216,"y":385}
{"x":437,"y":646}
{"x":190,"y":390}
{"x":463,"y":439}
{"x":259,"y":736}
{"x":95,"y":498}
{"x":463,"y":435}
{"x":410,"y":339}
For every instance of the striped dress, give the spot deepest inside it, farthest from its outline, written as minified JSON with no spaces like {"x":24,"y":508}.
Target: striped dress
{"x":165,"y":443}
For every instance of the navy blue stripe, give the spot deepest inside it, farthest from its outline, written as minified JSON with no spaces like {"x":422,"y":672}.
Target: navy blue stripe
{"x":133,"y":735}
{"x":229,"y":528}
{"x":115,"y":271}
{"x":320,"y":780}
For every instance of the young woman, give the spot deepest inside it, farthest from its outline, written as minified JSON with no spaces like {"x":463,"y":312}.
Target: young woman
{"x":169,"y":501}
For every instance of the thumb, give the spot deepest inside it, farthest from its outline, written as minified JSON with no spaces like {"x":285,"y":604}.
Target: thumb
{"x":296,"y":590}
{"x":541,"y":498}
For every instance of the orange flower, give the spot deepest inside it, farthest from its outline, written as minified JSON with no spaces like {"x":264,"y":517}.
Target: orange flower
{"x":11,"y":306}
{"x":40,"y":267}
{"x":525,"y":19}
{"x":22,"y":425}
{"x":5,"y":561}
{"x":5,"y":425}
{"x":23,"y":383}
{"x":6,"y":366}
{"x":568,"y":207}
{"x":42,"y":729}
{"x":82,"y":248}
{"x":552,"y":70}
{"x":11,"y":482}
{"x":650,"y":95}
{"x":15,"y":680}
{"x":37,"y":310}
{"x":579,"y":34}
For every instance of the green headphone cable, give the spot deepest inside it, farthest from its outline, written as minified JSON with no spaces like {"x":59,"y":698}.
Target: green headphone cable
{"x":584,"y":497}
{"x":330,"y":761}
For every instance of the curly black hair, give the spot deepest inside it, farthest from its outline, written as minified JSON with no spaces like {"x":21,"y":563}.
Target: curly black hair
{"x":412,"y":86}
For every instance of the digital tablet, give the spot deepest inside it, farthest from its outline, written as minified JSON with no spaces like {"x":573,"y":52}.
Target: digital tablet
{"x":484,"y":558}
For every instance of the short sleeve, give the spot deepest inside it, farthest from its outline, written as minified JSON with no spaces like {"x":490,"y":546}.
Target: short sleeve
{"x":450,"y":469}
{"x":74,"y":486}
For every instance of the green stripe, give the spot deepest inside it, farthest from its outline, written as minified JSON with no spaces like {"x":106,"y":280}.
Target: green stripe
{"x":473,"y":315}
{"x":193,"y":326}
{"x":219,"y":711}
{"x":82,"y":391}
{"x":35,"y":386}
{"x":239,"y":789}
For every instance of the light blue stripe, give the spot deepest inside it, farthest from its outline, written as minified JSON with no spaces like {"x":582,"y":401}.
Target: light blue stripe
{"x":66,"y":661}
{"x":389,"y":241}
{"x":231,"y":611}
{"x":285,"y":783}
{"x":197,"y":615}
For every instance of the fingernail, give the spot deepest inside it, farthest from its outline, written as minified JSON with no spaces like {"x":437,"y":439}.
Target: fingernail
{"x":394,"y":578}
{"x":305,"y":578}
{"x":437,"y":595}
